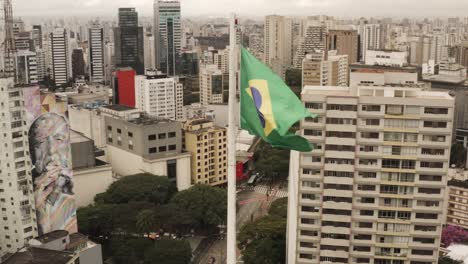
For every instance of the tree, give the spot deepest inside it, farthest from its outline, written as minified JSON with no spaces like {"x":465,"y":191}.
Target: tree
{"x":294,"y":77}
{"x":274,"y":162}
{"x":129,"y":250}
{"x":454,"y":235}
{"x":203,"y":205}
{"x":146,"y":221}
{"x":169,"y":251}
{"x":279,"y":208}
{"x":96,"y":220}
{"x":458,"y":155}
{"x":264,"y":241}
{"x":140,"y":187}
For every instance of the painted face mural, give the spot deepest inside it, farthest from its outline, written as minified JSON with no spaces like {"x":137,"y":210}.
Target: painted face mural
{"x":49,"y":144}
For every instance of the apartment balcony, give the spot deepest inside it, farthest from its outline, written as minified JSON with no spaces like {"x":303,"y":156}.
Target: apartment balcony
{"x":335,"y":242}
{"x":320,"y":126}
{"x":338,"y":180}
{"x":315,"y":139}
{"x":311,"y":177}
{"x":338,"y":167}
{"x":366,"y":193}
{"x":429,"y":209}
{"x":340,"y":154}
{"x":421,"y":258}
{"x":338,"y":193}
{"x":336,"y":218}
{"x":363,"y":254}
{"x":435,"y":130}
{"x":364,"y":206}
{"x":423,"y":221}
{"x":341,"y":128}
{"x":436,"y":117}
{"x":431,"y":184}
{"x":361,"y":140}
{"x":360,"y":179}
{"x":401,"y":256}
{"x":308,"y":238}
{"x":314,"y":227}
{"x":334,"y":254}
{"x":440,"y":144}
{"x":368,"y":167}
{"x":307,"y":261}
{"x":419,"y":245}
{"x":429,"y":196}
{"x":336,"y":230}
{"x":339,"y":206}
{"x":365,"y":231}
{"x":376,"y":114}
{"x":368,"y":154}
{"x":366,"y":128}
{"x":313,"y":215}
{"x":340,"y":141}
{"x":364,"y":218}
{"x":428,"y":157}
{"x":307,"y":250}
{"x":308,"y":202}
{"x":341,"y":114}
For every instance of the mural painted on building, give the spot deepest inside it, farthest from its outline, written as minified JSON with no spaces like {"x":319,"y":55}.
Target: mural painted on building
{"x":49,"y":145}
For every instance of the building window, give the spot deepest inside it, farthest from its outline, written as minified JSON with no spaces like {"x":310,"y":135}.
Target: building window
{"x":171,"y":134}
{"x":130,"y":134}
{"x":162,"y":149}
{"x":109,"y":128}
{"x":172,"y":147}
{"x":162,"y":136}
{"x":151,"y":137}
{"x":152,"y":150}
{"x":119,"y":131}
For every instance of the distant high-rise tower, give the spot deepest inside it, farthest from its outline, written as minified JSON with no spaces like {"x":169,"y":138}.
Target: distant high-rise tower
{"x":96,"y":54}
{"x":78,"y":64}
{"x":278,"y":43}
{"x":129,"y":51}
{"x":59,"y":51}
{"x":7,"y":41}
{"x":370,"y":38}
{"x":167,"y":35}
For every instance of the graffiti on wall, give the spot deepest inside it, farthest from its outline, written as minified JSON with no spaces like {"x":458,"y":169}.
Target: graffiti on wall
{"x":50,"y":150}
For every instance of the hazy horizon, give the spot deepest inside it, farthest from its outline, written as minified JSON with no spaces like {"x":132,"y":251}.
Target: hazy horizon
{"x":254,"y":8}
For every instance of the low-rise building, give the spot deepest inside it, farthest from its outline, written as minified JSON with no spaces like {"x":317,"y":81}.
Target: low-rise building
{"x":207,"y":144}
{"x":386,"y":58}
{"x":91,"y":176}
{"x":457,"y":200}
{"x":382,"y":75}
{"x":58,"y":247}
{"x":137,"y":143}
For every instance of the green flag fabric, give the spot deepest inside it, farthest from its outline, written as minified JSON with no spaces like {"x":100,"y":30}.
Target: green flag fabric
{"x":268,"y":107}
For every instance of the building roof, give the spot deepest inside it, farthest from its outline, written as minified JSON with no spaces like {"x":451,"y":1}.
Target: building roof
{"x":34,"y":255}
{"x":440,"y":78}
{"x":119,"y":108}
{"x":363,"y":68}
{"x":51,"y":236}
{"x":76,"y":137}
{"x":458,"y":183}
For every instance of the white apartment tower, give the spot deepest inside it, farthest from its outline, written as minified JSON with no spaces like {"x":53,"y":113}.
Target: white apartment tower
{"x":370,"y":38}
{"x":372,"y":190}
{"x":211,"y":85}
{"x":167,"y":35}
{"x":159,"y":96}
{"x":17,"y":204}
{"x":60,"y":56}
{"x":278,"y":43}
{"x":96,"y":54}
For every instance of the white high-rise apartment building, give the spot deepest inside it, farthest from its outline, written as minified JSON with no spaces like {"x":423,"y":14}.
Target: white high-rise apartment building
{"x":17,"y":204}
{"x":96,"y":54}
{"x":60,"y":56}
{"x":159,"y":96}
{"x":278,"y":43}
{"x":167,"y":35}
{"x":370,"y":38}
{"x":211,"y":85}
{"x":372,"y":190}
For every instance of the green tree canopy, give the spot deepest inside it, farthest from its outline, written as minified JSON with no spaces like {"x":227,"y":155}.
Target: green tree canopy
{"x":169,"y":251}
{"x":140,"y":187}
{"x":264,"y":241}
{"x":126,"y":250}
{"x":146,"y":221}
{"x":458,"y":155}
{"x":279,"y":208}
{"x":206,"y":206}
{"x":274,"y":162}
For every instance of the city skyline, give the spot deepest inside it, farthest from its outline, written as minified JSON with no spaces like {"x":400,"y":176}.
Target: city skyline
{"x":343,"y":8}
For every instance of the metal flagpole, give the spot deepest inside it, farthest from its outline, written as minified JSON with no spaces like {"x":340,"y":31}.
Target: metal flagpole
{"x":232,"y":134}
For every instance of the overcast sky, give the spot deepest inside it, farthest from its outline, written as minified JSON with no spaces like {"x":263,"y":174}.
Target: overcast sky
{"x":345,"y":8}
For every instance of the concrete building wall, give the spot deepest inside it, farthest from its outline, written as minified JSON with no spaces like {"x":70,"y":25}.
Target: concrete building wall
{"x":88,"y":122}
{"x":91,"y":181}
{"x":92,"y":255}
{"x":119,"y":159}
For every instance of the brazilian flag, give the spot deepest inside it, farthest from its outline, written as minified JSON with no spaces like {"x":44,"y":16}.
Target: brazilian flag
{"x":268,"y":107}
